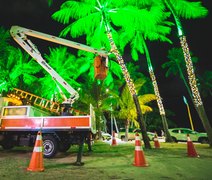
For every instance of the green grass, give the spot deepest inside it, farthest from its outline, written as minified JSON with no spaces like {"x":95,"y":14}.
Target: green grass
{"x":112,"y":162}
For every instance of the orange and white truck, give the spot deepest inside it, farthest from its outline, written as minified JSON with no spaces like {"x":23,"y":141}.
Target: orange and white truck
{"x":19,"y":124}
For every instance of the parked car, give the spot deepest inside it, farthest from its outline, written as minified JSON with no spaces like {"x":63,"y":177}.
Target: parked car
{"x":106,"y":136}
{"x":131,"y":134}
{"x":180,"y":134}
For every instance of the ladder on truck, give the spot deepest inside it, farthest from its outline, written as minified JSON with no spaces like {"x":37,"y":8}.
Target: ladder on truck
{"x":38,"y":101}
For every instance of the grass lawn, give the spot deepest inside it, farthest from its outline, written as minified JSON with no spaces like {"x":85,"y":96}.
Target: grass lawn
{"x":108,"y":162}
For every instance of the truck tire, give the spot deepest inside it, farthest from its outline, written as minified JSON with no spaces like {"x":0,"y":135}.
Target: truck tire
{"x":7,"y":143}
{"x":50,"y":145}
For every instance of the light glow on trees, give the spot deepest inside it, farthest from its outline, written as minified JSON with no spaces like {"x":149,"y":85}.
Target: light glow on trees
{"x":122,"y":64}
{"x":159,"y":99}
{"x":190,"y":71}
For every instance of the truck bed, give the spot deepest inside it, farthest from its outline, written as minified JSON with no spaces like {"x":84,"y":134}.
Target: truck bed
{"x":53,"y":122}
{"x":28,"y":118}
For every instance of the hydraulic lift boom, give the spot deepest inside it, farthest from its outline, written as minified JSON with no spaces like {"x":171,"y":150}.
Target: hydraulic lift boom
{"x":20,"y":34}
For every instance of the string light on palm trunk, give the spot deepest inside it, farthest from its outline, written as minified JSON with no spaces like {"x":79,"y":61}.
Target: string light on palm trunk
{"x":159,"y":99}
{"x":190,"y":71}
{"x":120,"y":60}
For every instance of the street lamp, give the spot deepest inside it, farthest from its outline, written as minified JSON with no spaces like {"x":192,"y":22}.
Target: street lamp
{"x":189,"y":113}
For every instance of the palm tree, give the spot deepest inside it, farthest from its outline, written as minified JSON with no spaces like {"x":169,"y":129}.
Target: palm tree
{"x":95,"y":17}
{"x":184,"y":9}
{"x":137,"y":33}
{"x":159,"y":99}
{"x":121,"y":102}
{"x":127,"y":107}
{"x":176,"y":65}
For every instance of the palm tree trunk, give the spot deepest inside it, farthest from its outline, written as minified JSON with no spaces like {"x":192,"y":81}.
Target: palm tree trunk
{"x":185,"y":82}
{"x":130,"y":85}
{"x":165,"y":127}
{"x":205,"y":122}
{"x":187,"y":87}
{"x":157,"y":93}
{"x":195,"y":92}
{"x":191,"y":76}
{"x":141,"y":122}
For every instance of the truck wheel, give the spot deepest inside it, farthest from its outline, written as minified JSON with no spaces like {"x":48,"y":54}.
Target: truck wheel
{"x":50,"y":146}
{"x":7,"y":145}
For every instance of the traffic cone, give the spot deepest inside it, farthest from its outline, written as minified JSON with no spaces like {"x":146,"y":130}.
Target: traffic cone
{"x":36,"y":162}
{"x":114,"y":143}
{"x":190,"y":148}
{"x":139,"y":159}
{"x":156,"y":142}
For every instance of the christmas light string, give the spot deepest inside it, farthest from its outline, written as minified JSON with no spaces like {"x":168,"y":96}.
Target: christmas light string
{"x":190,"y":71}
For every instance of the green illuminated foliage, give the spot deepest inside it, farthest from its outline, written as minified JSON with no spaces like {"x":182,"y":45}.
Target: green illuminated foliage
{"x":176,"y":63}
{"x":94,"y":17}
{"x":89,"y":19}
{"x":185,"y":9}
{"x":205,"y":83}
{"x":177,"y":66}
{"x":127,"y":107}
{"x":147,"y":25}
{"x":189,"y":10}
{"x":193,"y":10}
{"x":18,"y":69}
{"x":65,"y":64}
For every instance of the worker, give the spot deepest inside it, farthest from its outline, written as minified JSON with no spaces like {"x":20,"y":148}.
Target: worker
{"x":66,"y":112}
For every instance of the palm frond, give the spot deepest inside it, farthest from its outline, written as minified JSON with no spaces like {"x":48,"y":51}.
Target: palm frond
{"x":189,"y":10}
{"x":73,"y":10}
{"x":145,"y":109}
{"x":146,"y":98}
{"x":115,"y":69}
{"x":125,"y":37}
{"x":84,"y":25}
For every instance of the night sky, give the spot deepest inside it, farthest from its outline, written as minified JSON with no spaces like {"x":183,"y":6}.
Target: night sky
{"x":36,"y":15}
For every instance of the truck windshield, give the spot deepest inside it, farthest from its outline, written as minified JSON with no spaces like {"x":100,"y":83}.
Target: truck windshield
{"x":17,"y":111}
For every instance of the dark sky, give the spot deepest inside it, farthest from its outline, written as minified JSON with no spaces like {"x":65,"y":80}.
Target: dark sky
{"x":36,"y":15}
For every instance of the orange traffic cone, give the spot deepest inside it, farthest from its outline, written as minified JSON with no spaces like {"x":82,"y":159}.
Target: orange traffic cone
{"x":36,"y":163}
{"x":156,"y":142}
{"x":139,"y":159}
{"x":190,"y":148}
{"x":114,"y":143}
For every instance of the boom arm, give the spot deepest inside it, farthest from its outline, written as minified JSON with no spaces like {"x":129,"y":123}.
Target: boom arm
{"x":19,"y":34}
